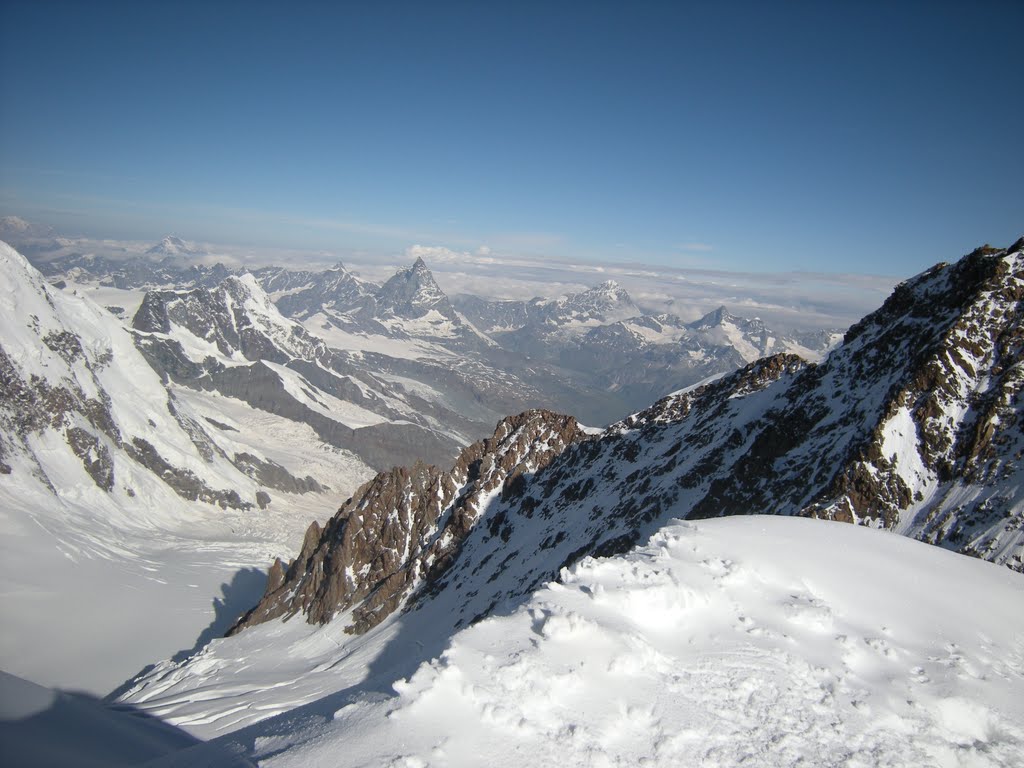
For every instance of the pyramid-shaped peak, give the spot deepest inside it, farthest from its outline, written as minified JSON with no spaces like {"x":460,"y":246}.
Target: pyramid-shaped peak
{"x":609,"y":289}
{"x":412,"y":292}
{"x":717,"y":316}
{"x":172,"y":245}
{"x":419,"y":275}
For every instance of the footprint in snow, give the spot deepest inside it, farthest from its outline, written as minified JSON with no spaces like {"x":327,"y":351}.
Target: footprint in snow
{"x":880,"y":646}
{"x":808,"y":611}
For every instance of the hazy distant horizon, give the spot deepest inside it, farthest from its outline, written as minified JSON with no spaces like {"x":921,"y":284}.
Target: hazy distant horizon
{"x":787,"y":300}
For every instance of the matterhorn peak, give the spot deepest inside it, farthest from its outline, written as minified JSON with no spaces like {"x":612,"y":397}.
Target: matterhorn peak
{"x":717,"y":316}
{"x":413,"y":292}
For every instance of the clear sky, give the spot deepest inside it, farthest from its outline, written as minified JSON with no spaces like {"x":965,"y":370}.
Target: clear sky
{"x":870,"y":136}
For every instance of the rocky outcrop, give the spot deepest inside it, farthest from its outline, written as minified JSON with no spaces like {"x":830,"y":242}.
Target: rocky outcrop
{"x":405,"y":527}
{"x":237,"y":317}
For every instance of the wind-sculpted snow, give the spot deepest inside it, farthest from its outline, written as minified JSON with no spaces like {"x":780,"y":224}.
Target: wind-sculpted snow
{"x":754,"y":640}
{"x":728,"y":643}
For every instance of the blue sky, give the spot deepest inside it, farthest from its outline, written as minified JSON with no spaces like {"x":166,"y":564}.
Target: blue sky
{"x":871,"y":137}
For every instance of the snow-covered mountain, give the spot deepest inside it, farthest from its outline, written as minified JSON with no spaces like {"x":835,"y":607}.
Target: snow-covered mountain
{"x":129,"y":271}
{"x":540,"y":588}
{"x":412,"y":294}
{"x":593,"y":353}
{"x":123,"y":495}
{"x":173,"y":246}
{"x":232,"y":340}
{"x":911,"y":425}
{"x":411,"y":306}
{"x":637,"y":357}
{"x":15,"y":229}
{"x":78,"y":397}
{"x":302,"y":293}
{"x":604,"y":303}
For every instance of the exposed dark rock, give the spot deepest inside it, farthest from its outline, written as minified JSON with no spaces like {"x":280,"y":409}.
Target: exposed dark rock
{"x":273,"y":475}
{"x":95,"y":456}
{"x":184,"y":482}
{"x":65,"y":344}
{"x":406,"y":525}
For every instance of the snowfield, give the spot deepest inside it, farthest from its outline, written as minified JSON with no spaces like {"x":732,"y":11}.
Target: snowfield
{"x":744,"y":640}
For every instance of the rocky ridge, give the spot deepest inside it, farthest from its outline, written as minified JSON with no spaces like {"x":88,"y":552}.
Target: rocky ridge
{"x":405,"y":527}
{"x":912,"y":424}
{"x":301,"y":293}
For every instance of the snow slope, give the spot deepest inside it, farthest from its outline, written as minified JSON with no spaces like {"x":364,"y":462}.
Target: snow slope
{"x":41,"y":728}
{"x":753,"y":640}
{"x":131,"y":525}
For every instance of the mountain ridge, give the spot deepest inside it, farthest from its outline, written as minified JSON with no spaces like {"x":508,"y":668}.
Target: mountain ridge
{"x":780,"y":436}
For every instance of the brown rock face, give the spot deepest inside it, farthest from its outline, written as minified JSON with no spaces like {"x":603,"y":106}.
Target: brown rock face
{"x":405,"y":527}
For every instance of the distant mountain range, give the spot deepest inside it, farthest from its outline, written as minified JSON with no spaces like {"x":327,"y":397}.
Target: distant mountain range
{"x":593,"y":353}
